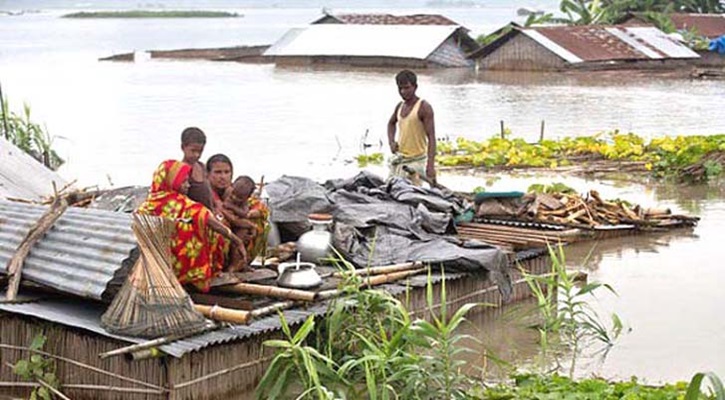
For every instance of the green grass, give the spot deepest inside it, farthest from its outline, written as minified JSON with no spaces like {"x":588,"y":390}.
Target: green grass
{"x":152,"y":14}
{"x":535,"y":387}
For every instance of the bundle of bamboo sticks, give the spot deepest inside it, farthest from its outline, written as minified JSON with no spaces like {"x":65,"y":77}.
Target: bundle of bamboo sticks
{"x":151,"y":302}
{"x":592,"y":211}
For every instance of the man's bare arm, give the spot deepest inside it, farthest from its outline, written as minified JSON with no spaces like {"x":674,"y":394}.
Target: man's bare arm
{"x":391,"y":130}
{"x":425,"y":113}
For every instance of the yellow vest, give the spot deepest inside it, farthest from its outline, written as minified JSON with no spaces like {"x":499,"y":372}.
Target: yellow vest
{"x":412,"y":139}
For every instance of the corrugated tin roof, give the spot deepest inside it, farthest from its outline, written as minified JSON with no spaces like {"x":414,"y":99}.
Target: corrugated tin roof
{"x":87,"y":316}
{"x":552,"y":46}
{"x":403,"y":41}
{"x":81,"y":254}
{"x":708,"y":25}
{"x":389,"y":19}
{"x":608,"y":43}
{"x":21,"y":176}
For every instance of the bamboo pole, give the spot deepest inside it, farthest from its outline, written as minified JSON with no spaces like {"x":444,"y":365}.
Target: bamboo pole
{"x":81,"y":386}
{"x":150,"y":343}
{"x":15,"y":264}
{"x":381,"y":279}
{"x":264,"y":311}
{"x":371,"y":281}
{"x":44,"y":384}
{"x":383,"y":269}
{"x":224,"y":314}
{"x":271,"y":291}
{"x":82,"y":365}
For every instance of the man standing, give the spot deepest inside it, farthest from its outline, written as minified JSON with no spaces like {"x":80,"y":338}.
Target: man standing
{"x":415,"y":148}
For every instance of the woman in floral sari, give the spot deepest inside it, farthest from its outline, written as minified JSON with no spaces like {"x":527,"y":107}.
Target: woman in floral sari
{"x":199,"y":246}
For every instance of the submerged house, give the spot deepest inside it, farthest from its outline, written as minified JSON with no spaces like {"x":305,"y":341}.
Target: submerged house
{"x":582,"y":47}
{"x":711,"y":26}
{"x":377,"y":40}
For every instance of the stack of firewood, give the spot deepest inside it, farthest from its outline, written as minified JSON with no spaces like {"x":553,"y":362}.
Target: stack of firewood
{"x":592,"y":211}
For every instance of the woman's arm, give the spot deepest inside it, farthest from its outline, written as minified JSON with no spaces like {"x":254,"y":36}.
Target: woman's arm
{"x":224,"y":230}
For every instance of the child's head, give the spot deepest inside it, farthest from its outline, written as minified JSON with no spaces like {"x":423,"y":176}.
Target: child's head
{"x":242,"y":188}
{"x":192,"y":144}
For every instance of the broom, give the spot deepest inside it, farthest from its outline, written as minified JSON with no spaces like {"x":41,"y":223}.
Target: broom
{"x":151,"y":302}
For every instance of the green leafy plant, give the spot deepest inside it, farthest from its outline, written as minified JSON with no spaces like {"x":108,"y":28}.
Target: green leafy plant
{"x":296,"y":363}
{"x":39,"y":369}
{"x":364,"y":160}
{"x":556,"y":187}
{"x":665,"y":157}
{"x":28,"y":136}
{"x":565,"y":312}
{"x":537,"y":387}
{"x":716,"y":392}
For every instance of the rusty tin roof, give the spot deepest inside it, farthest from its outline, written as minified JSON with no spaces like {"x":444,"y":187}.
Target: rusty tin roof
{"x":708,"y":25}
{"x":593,"y":43}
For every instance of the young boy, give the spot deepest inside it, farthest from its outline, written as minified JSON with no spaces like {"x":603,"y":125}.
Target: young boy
{"x":192,"y":144}
{"x":247,"y":217}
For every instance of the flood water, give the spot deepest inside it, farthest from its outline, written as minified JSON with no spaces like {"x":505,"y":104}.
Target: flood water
{"x":114,"y":122}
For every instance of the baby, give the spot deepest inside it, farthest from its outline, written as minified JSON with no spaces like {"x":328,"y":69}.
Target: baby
{"x":246,"y":216}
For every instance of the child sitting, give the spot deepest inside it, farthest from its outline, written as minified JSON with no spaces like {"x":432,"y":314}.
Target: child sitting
{"x":247,"y":216}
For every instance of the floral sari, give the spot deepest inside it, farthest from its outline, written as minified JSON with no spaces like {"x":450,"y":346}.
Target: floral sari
{"x":197,"y":251}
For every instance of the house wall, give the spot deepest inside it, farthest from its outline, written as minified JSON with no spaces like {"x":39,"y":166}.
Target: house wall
{"x":521,"y":53}
{"x":450,"y":54}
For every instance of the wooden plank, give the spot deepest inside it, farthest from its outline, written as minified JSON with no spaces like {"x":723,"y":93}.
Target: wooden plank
{"x":15,"y":264}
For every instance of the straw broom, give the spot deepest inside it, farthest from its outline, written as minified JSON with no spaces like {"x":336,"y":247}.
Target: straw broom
{"x":151,"y":302}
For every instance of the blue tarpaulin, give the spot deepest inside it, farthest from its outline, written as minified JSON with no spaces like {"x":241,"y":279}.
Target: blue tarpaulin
{"x":718,"y":45}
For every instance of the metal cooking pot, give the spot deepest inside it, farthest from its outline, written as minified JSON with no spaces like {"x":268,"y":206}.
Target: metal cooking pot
{"x":298,"y":275}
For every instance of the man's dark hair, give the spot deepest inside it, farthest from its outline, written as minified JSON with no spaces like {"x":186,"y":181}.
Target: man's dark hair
{"x":406,"y":76}
{"x":218,"y":158}
{"x":193,"y":135}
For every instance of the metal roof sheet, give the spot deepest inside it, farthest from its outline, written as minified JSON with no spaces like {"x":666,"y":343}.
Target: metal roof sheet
{"x":551,"y":45}
{"x":81,"y":254}
{"x":404,"y":41}
{"x":389,"y":19}
{"x":642,"y":47}
{"x":87,"y":316}
{"x":608,"y":43}
{"x":708,"y":25}
{"x":660,"y":41}
{"x":21,"y":176}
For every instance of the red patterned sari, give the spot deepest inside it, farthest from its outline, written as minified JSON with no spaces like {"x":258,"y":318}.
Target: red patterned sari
{"x":198,"y":252}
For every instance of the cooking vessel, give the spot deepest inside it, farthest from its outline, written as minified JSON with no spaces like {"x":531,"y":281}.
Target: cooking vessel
{"x":298,"y":275}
